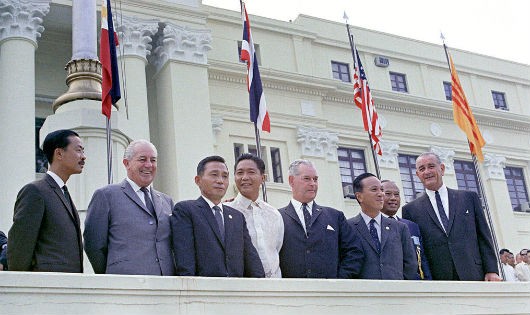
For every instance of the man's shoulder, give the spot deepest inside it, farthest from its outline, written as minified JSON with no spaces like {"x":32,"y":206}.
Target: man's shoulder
{"x":354,"y":219}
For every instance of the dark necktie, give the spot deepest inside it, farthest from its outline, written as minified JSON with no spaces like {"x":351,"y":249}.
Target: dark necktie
{"x":375,"y":237}
{"x":148,"y":202}
{"x":220,"y":222}
{"x":69,"y":201}
{"x":307,"y":216}
{"x":441,"y":211}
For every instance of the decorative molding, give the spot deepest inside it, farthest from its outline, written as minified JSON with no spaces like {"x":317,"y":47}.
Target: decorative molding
{"x":447,"y":156}
{"x":183,"y":44}
{"x":494,"y":165}
{"x":318,"y":143}
{"x":22,"y":18}
{"x":217,"y":124}
{"x":488,"y":137}
{"x":307,"y":108}
{"x":383,"y":122}
{"x":436,"y":129}
{"x":389,"y":159}
{"x":135,"y":35}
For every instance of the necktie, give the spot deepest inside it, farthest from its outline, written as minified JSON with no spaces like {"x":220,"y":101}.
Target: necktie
{"x":307,"y":216}
{"x":375,"y":237}
{"x":148,"y":202}
{"x":220,"y":222}
{"x":69,"y":201}
{"x":441,"y":211}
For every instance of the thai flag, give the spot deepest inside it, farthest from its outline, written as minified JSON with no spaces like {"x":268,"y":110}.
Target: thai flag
{"x":258,"y":107}
{"x":110,"y":85}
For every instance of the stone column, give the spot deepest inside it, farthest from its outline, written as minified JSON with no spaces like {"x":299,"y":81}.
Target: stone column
{"x":320,"y":147}
{"x":184,"y":124}
{"x":20,"y":27}
{"x":135,"y":38}
{"x":499,"y":199}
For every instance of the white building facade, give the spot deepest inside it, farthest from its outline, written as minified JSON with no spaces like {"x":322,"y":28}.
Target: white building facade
{"x":185,"y":90}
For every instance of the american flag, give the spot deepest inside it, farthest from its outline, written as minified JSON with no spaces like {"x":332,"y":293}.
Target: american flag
{"x":258,"y":107}
{"x":363,"y":99}
{"x":110,"y":85}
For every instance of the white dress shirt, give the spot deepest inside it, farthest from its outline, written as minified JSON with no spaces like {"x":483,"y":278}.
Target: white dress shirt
{"x":211,"y":204}
{"x":509,"y":273}
{"x":56,"y":178}
{"x":522,"y":271}
{"x":265,"y":226}
{"x":298,"y":208}
{"x":377,"y":224}
{"x":445,"y":201}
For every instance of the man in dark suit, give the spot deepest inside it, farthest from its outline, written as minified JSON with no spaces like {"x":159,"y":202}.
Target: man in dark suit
{"x":211,"y":239}
{"x":387,"y":245}
{"x":390,"y":208}
{"x":456,"y":236}
{"x":127,"y":229}
{"x":3,"y":251}
{"x":317,"y":242}
{"x":46,"y":235}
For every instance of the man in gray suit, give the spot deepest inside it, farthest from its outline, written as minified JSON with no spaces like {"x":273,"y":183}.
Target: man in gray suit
{"x":387,"y":246}
{"x":46,"y":235}
{"x":127,"y":227}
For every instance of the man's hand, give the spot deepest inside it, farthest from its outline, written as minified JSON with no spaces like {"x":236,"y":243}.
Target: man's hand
{"x":492,"y":276}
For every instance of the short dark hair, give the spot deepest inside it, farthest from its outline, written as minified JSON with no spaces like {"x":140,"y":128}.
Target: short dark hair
{"x":504,"y":250}
{"x":56,"y":139}
{"x":213,"y":158}
{"x":248,"y":156}
{"x":357,"y":186}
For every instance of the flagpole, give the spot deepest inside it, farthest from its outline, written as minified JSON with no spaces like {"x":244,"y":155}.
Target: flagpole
{"x":376,"y":162}
{"x":109,"y":153}
{"x":258,"y":150}
{"x":481,"y":189}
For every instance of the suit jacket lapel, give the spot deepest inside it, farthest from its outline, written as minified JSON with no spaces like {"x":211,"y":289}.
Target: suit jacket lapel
{"x":453,"y":202}
{"x":363,"y":229}
{"x":386,"y":228}
{"x":129,"y":192}
{"x":59,"y":192}
{"x":207,"y":212}
{"x":426,"y":204}
{"x":157,"y":202}
{"x":292,"y":213}
{"x":315,"y":212}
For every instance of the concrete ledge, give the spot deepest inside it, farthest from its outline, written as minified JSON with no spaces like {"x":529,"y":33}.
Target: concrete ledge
{"x":52,"y":293}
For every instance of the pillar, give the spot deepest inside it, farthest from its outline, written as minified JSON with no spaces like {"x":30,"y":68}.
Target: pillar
{"x":20,"y":27}
{"x":184,"y":123}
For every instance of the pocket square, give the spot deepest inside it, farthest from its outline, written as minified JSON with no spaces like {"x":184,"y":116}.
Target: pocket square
{"x":467,"y":211}
{"x":330,"y":228}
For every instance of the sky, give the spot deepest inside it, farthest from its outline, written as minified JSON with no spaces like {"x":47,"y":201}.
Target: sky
{"x":494,"y":28}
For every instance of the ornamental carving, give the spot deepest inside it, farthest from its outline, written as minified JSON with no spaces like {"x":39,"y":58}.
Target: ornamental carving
{"x":446,"y":156}
{"x":182,"y":44}
{"x":494,"y":166}
{"x":217,"y":124}
{"x":318,"y":143}
{"x":389,"y":159}
{"x":135,"y":35}
{"x":22,"y":18}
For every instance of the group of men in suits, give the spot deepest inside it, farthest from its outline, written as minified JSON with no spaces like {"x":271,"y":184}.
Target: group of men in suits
{"x":131,"y":228}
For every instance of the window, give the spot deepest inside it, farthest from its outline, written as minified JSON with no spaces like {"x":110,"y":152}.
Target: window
{"x":277,"y":175}
{"x":341,"y":71}
{"x":448,"y":92}
{"x":41,"y":163}
{"x":499,"y":100}
{"x":274,"y":168}
{"x":412,"y":185}
{"x":466,"y":176}
{"x":399,"y":84}
{"x":516,"y":187}
{"x":256,"y":49}
{"x":351,"y":164}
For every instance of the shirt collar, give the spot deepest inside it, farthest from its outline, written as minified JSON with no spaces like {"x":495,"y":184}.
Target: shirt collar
{"x":56,"y":178}
{"x":245,"y":202}
{"x":367,"y":218}
{"x":135,"y":186}
{"x":211,"y":204}
{"x":442,"y":191}
{"x":298,"y":205}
